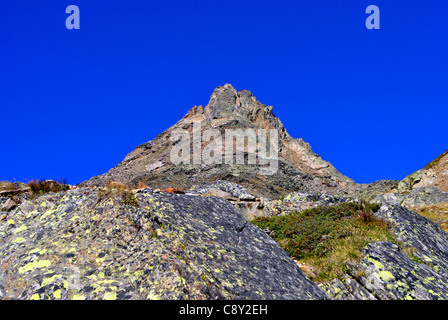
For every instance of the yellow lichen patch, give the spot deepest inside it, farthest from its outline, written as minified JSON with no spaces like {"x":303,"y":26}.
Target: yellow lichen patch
{"x":34,"y":265}
{"x":78,"y":297}
{"x":19,"y":229}
{"x":35,"y":297}
{"x":386,"y":275}
{"x":110,"y":296}
{"x":153,"y":296}
{"x":57,"y":294}
{"x":382,"y":273}
{"x":46,"y":281}
{"x":48,"y":213}
{"x":19,"y":240}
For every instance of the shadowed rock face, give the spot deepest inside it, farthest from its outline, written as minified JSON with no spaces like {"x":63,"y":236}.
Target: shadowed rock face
{"x":299,"y":168}
{"x":78,"y":245}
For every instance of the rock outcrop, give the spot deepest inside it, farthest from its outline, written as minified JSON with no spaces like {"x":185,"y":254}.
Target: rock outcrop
{"x":417,"y":197}
{"x":418,"y":269}
{"x":87,"y":244}
{"x":299,"y":168}
{"x":434,"y":174}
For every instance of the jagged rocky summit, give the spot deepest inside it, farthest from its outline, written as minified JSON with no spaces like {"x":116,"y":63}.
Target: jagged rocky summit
{"x":299,"y":168}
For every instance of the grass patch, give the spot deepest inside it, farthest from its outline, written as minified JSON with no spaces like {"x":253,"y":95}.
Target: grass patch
{"x":113,"y":189}
{"x":40,"y":186}
{"x":437,"y":213}
{"x":327,"y":237}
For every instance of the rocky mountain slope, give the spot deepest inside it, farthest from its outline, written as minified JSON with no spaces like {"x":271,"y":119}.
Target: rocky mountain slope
{"x":434,"y":174}
{"x":299,"y":168}
{"x":425,"y":187}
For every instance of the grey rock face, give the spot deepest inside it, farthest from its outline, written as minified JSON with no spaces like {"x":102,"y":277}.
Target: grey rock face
{"x":234,"y":189}
{"x":418,"y":270}
{"x":298,"y":201}
{"x":388,"y":273}
{"x":166,"y":246}
{"x":352,"y":290}
{"x":416,"y":231}
{"x":425,"y":196}
{"x":416,"y":197}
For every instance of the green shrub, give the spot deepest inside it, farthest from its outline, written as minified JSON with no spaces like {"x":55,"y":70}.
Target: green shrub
{"x":327,"y":237}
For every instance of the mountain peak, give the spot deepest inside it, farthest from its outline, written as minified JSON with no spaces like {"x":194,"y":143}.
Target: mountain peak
{"x":224,"y":101}
{"x":228,"y":110}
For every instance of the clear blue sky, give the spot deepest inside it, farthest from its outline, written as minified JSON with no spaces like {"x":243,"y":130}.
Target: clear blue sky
{"x":74,"y":102}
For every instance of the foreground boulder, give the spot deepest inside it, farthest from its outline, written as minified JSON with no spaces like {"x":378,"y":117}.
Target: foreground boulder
{"x":417,"y":269}
{"x":89,"y":244}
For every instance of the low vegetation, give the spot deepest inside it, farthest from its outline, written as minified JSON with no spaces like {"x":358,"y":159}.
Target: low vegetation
{"x":437,"y":213}
{"x":41,"y":186}
{"x":112,"y":189}
{"x":327,"y":237}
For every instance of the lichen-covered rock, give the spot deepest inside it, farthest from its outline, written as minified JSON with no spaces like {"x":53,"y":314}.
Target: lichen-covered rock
{"x":415,"y":198}
{"x":234,"y":189}
{"x":415,"y":231}
{"x":80,"y":244}
{"x":298,"y":201}
{"x":388,"y":273}
{"x":306,"y":200}
{"x":418,"y":269}
{"x":352,"y":290}
{"x":424,"y":196}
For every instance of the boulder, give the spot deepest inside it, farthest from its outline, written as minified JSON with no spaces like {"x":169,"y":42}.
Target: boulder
{"x":415,"y":198}
{"x":76,"y":245}
{"x":418,"y":269}
{"x":9,"y":205}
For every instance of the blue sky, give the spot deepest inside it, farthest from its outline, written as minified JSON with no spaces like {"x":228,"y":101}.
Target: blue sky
{"x":75,"y":102}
